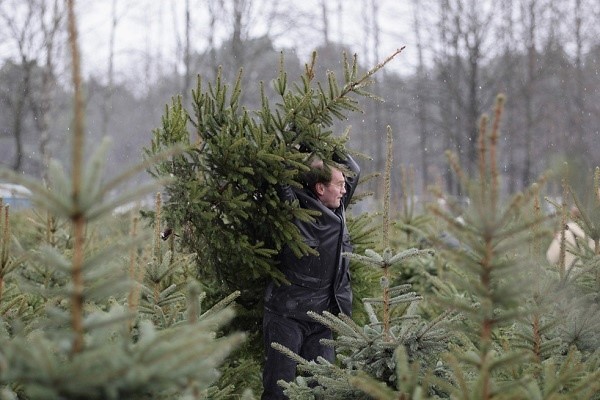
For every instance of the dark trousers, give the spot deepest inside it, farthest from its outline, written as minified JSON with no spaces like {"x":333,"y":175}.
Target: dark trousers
{"x":301,"y":337}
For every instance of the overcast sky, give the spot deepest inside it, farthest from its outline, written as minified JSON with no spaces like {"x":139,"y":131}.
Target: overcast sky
{"x":151,"y":27}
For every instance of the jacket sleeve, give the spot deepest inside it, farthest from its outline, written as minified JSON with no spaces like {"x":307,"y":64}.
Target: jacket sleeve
{"x":285,"y":193}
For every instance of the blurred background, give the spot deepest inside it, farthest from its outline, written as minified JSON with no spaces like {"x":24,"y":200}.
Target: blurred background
{"x":544,"y":55}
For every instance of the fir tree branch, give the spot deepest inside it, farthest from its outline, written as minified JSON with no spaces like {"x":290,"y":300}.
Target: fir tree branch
{"x":387,"y":189}
{"x":500,"y":100}
{"x":353,"y":86}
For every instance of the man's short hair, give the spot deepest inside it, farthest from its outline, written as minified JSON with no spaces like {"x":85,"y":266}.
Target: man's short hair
{"x":319,"y":172}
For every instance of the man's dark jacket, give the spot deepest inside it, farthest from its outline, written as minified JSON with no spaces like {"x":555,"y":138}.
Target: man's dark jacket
{"x":318,"y":282}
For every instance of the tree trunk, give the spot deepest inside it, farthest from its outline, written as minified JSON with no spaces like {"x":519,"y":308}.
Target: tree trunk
{"x":528,"y":94}
{"x":325,"y":22}
{"x":42,"y":109}
{"x":187,"y":77}
{"x":108,"y":92}
{"x":422,"y":126}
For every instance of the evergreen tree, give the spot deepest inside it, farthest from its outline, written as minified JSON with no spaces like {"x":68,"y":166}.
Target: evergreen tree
{"x":412,"y":227}
{"x":576,"y":286}
{"x":223,"y":202}
{"x":524,"y":330}
{"x":68,"y":328}
{"x":507,"y":296}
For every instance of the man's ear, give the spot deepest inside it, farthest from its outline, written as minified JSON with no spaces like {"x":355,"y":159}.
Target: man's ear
{"x":319,"y":188}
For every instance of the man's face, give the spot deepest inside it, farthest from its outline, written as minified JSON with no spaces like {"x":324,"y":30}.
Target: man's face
{"x":331,"y":193}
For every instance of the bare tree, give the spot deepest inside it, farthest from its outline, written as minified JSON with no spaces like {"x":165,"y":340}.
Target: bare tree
{"x":506,"y":35}
{"x":239,"y":11}
{"x":421,"y":94}
{"x":51,"y":20}
{"x":187,"y":54}
{"x":325,"y":21}
{"x":462,"y":50}
{"x":580,"y":114}
{"x":448,"y":67}
{"x":108,"y":93}
{"x":375,"y":140}
{"x":183,"y":40}
{"x":529,"y":15}
{"x":474,"y":28}
{"x":22,"y":31}
{"x":33,"y":27}
{"x":213,"y":9}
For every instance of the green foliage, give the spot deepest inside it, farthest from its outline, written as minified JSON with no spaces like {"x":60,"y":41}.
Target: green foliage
{"x":224,"y":199}
{"x":223,"y":202}
{"x":512,"y":321}
{"x":364,"y":231}
{"x":576,"y":286}
{"x":70,"y":320}
{"x":127,"y":352}
{"x":523,"y":329}
{"x":89,"y":310}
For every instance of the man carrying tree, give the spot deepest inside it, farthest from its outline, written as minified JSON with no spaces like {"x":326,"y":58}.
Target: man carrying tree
{"x":319,"y":281}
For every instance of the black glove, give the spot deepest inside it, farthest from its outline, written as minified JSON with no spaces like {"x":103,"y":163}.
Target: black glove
{"x":304,"y":148}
